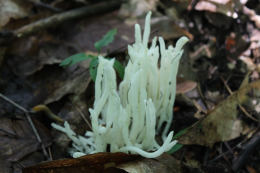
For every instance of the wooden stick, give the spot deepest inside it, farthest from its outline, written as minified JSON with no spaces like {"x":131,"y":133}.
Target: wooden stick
{"x":65,"y":16}
{"x":29,"y":120}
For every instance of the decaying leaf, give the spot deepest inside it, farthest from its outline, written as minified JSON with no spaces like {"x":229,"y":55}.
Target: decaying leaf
{"x":222,"y":124}
{"x":31,"y":54}
{"x":137,"y":8}
{"x":5,"y":166}
{"x":18,"y":140}
{"x":71,"y":81}
{"x":12,"y":9}
{"x":226,"y":7}
{"x":163,"y":164}
{"x":168,"y":29}
{"x":185,"y":86}
{"x":252,"y":15}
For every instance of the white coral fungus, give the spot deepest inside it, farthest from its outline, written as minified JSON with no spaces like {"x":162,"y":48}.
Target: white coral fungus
{"x":127,"y":120}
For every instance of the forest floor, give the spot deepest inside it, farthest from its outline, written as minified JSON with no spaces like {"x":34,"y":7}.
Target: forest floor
{"x":217,"y":106}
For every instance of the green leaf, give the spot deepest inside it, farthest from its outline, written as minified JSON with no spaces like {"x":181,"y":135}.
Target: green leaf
{"x":75,"y":59}
{"x":93,"y":68}
{"x":107,"y":38}
{"x":175,"y":148}
{"x":180,"y":133}
{"x":119,"y":68}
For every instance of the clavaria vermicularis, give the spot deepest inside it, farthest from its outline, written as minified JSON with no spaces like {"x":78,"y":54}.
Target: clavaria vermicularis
{"x":127,"y":120}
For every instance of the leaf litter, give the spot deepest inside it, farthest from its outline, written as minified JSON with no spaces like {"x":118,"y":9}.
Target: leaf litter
{"x":30,"y":75}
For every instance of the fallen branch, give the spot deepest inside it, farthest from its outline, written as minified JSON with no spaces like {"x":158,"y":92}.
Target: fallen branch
{"x":26,"y":112}
{"x":57,"y":19}
{"x":240,"y":106}
{"x":68,"y":15}
{"x":248,"y":149}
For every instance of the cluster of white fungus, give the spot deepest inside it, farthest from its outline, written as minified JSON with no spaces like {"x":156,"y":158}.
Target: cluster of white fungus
{"x":127,"y":120}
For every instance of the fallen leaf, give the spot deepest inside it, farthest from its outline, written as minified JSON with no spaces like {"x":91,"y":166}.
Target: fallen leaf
{"x":168,"y":29}
{"x":5,"y":166}
{"x":226,"y":7}
{"x":12,"y":9}
{"x":220,"y":1}
{"x":250,"y":169}
{"x":249,"y":62}
{"x":137,"y":8}
{"x":204,"y":5}
{"x":163,"y":164}
{"x":252,"y":15}
{"x":222,"y":124}
{"x":18,"y":140}
{"x":61,"y":82}
{"x":185,"y":86}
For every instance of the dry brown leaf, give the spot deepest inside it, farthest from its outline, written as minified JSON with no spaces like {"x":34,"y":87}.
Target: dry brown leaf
{"x":250,"y":169}
{"x":204,"y":5}
{"x":249,"y":62}
{"x":137,"y":8}
{"x":222,"y":124}
{"x":168,"y":29}
{"x":220,"y":1}
{"x":12,"y":9}
{"x":225,"y":7}
{"x":163,"y":164}
{"x":252,"y":15}
{"x":18,"y":140}
{"x":185,"y":86}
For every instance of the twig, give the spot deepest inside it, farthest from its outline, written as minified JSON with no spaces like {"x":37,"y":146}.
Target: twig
{"x":240,"y":106}
{"x":65,"y":16}
{"x":26,"y":112}
{"x":219,"y":156}
{"x":50,"y":153}
{"x":83,"y":117}
{"x":13,"y":103}
{"x":202,"y":97}
{"x":226,"y":85}
{"x":248,"y":149}
{"x":228,"y":147}
{"x":44,"y":5}
{"x":224,"y":155}
{"x":20,"y":164}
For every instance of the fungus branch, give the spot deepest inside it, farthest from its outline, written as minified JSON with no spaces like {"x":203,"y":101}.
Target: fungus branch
{"x":127,"y":119}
